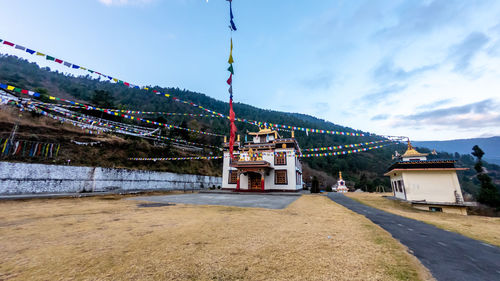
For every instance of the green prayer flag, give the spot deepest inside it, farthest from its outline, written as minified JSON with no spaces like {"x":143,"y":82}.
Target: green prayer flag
{"x":50,"y":58}
{"x":17,"y":90}
{"x":230,"y":69}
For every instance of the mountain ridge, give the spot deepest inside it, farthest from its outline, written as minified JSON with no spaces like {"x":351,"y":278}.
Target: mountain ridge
{"x":490,"y":146}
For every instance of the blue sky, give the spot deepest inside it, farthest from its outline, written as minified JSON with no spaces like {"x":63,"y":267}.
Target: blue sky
{"x":429,"y":70}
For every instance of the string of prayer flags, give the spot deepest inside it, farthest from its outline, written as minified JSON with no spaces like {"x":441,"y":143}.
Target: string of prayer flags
{"x":343,"y":146}
{"x":232,"y":115}
{"x":344,"y":152}
{"x":28,"y":148}
{"x":177,"y":158}
{"x":230,"y":69}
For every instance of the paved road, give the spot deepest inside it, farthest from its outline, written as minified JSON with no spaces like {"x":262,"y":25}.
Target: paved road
{"x":448,"y":255}
{"x":237,"y":200}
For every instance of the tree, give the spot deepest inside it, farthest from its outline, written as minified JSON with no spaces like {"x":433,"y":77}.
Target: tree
{"x":102,"y":99}
{"x":488,"y":194}
{"x":315,"y":185}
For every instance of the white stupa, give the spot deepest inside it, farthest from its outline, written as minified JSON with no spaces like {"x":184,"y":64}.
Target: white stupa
{"x":341,"y":184}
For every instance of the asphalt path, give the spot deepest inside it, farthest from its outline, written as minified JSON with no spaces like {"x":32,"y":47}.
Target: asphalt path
{"x":448,"y":255}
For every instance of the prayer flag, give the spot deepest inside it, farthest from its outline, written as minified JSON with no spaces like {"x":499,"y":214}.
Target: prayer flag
{"x":230,"y":69}
{"x":58,"y":60}
{"x":50,"y":58}
{"x":230,"y":80}
{"x":75,"y":66}
{"x":8,"y":43}
{"x":233,"y":26}
{"x":19,"y":47}
{"x":30,"y":51}
{"x":67,"y":64}
{"x":40,"y":54}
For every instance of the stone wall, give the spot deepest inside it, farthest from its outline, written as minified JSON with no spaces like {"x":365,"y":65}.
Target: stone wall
{"x":24,"y":178}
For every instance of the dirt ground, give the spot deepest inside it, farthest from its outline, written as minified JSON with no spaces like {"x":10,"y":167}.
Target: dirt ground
{"x":106,"y":238}
{"x":477,"y":227}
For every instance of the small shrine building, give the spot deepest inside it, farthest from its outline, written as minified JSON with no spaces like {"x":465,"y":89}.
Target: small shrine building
{"x":266,"y":163}
{"x":341,"y":185}
{"x":427,"y":184}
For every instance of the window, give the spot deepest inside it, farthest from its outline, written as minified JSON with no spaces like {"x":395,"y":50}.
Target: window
{"x":280,"y":158}
{"x":298,"y":179}
{"x":280,"y":177}
{"x":233,"y":177}
{"x":435,"y":209}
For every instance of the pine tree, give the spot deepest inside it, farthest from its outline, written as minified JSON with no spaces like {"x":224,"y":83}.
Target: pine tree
{"x":488,"y":193}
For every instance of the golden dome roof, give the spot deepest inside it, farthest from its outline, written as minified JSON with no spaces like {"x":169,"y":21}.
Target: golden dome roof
{"x":264,"y":131}
{"x":412,"y":152}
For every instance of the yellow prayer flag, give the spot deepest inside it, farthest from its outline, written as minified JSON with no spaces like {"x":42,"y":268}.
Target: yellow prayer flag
{"x":52,"y":98}
{"x":230,"y":61}
{"x":114,"y":79}
{"x":81,"y":67}
{"x":10,"y":88}
{"x":167,"y":95}
{"x":39,"y":54}
{"x":145,"y":88}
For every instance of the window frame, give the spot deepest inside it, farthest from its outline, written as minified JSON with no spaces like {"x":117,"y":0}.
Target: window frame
{"x":276,"y":177}
{"x":231,"y":172}
{"x":284,"y":159}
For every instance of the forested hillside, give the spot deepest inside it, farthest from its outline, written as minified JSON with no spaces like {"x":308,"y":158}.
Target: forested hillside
{"x":363,"y":170}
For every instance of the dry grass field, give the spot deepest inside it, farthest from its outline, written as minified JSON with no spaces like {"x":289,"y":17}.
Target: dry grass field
{"x":106,"y":238}
{"x":477,"y":227}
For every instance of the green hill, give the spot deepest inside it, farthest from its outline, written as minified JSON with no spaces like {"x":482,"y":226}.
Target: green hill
{"x":364,"y":170}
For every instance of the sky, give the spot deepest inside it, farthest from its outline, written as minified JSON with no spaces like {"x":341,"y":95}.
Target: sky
{"x":429,"y":70}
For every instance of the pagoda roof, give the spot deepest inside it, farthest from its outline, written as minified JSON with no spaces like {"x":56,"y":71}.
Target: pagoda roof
{"x":420,"y":165}
{"x":412,"y":152}
{"x":264,"y":131}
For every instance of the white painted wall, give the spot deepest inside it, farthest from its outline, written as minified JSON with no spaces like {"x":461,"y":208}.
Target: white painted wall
{"x":21,"y":178}
{"x":394,"y":178}
{"x":432,"y":186}
{"x":291,"y":167}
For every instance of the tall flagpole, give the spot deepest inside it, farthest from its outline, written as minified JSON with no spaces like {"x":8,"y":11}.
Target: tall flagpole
{"x":232,"y":132}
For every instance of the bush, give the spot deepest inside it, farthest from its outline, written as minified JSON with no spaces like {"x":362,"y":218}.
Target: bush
{"x":315,"y":185}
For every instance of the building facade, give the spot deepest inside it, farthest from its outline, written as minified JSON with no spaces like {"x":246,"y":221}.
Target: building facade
{"x":427,"y":184}
{"x":266,"y":163}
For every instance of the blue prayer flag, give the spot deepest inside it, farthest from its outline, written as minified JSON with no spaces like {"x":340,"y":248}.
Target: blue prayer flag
{"x":30,"y":51}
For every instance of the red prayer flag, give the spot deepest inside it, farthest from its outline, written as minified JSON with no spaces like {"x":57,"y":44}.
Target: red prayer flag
{"x":230,"y":80}
{"x":126,"y":84}
{"x":58,"y":61}
{"x":24,"y":91}
{"x":8,"y":43}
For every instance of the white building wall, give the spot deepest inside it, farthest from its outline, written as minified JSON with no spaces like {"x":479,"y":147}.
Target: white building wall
{"x":394,"y":178}
{"x":432,"y":186}
{"x":291,"y":167}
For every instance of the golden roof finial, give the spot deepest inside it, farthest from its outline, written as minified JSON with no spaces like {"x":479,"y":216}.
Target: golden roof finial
{"x":340,"y":175}
{"x":412,"y":152}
